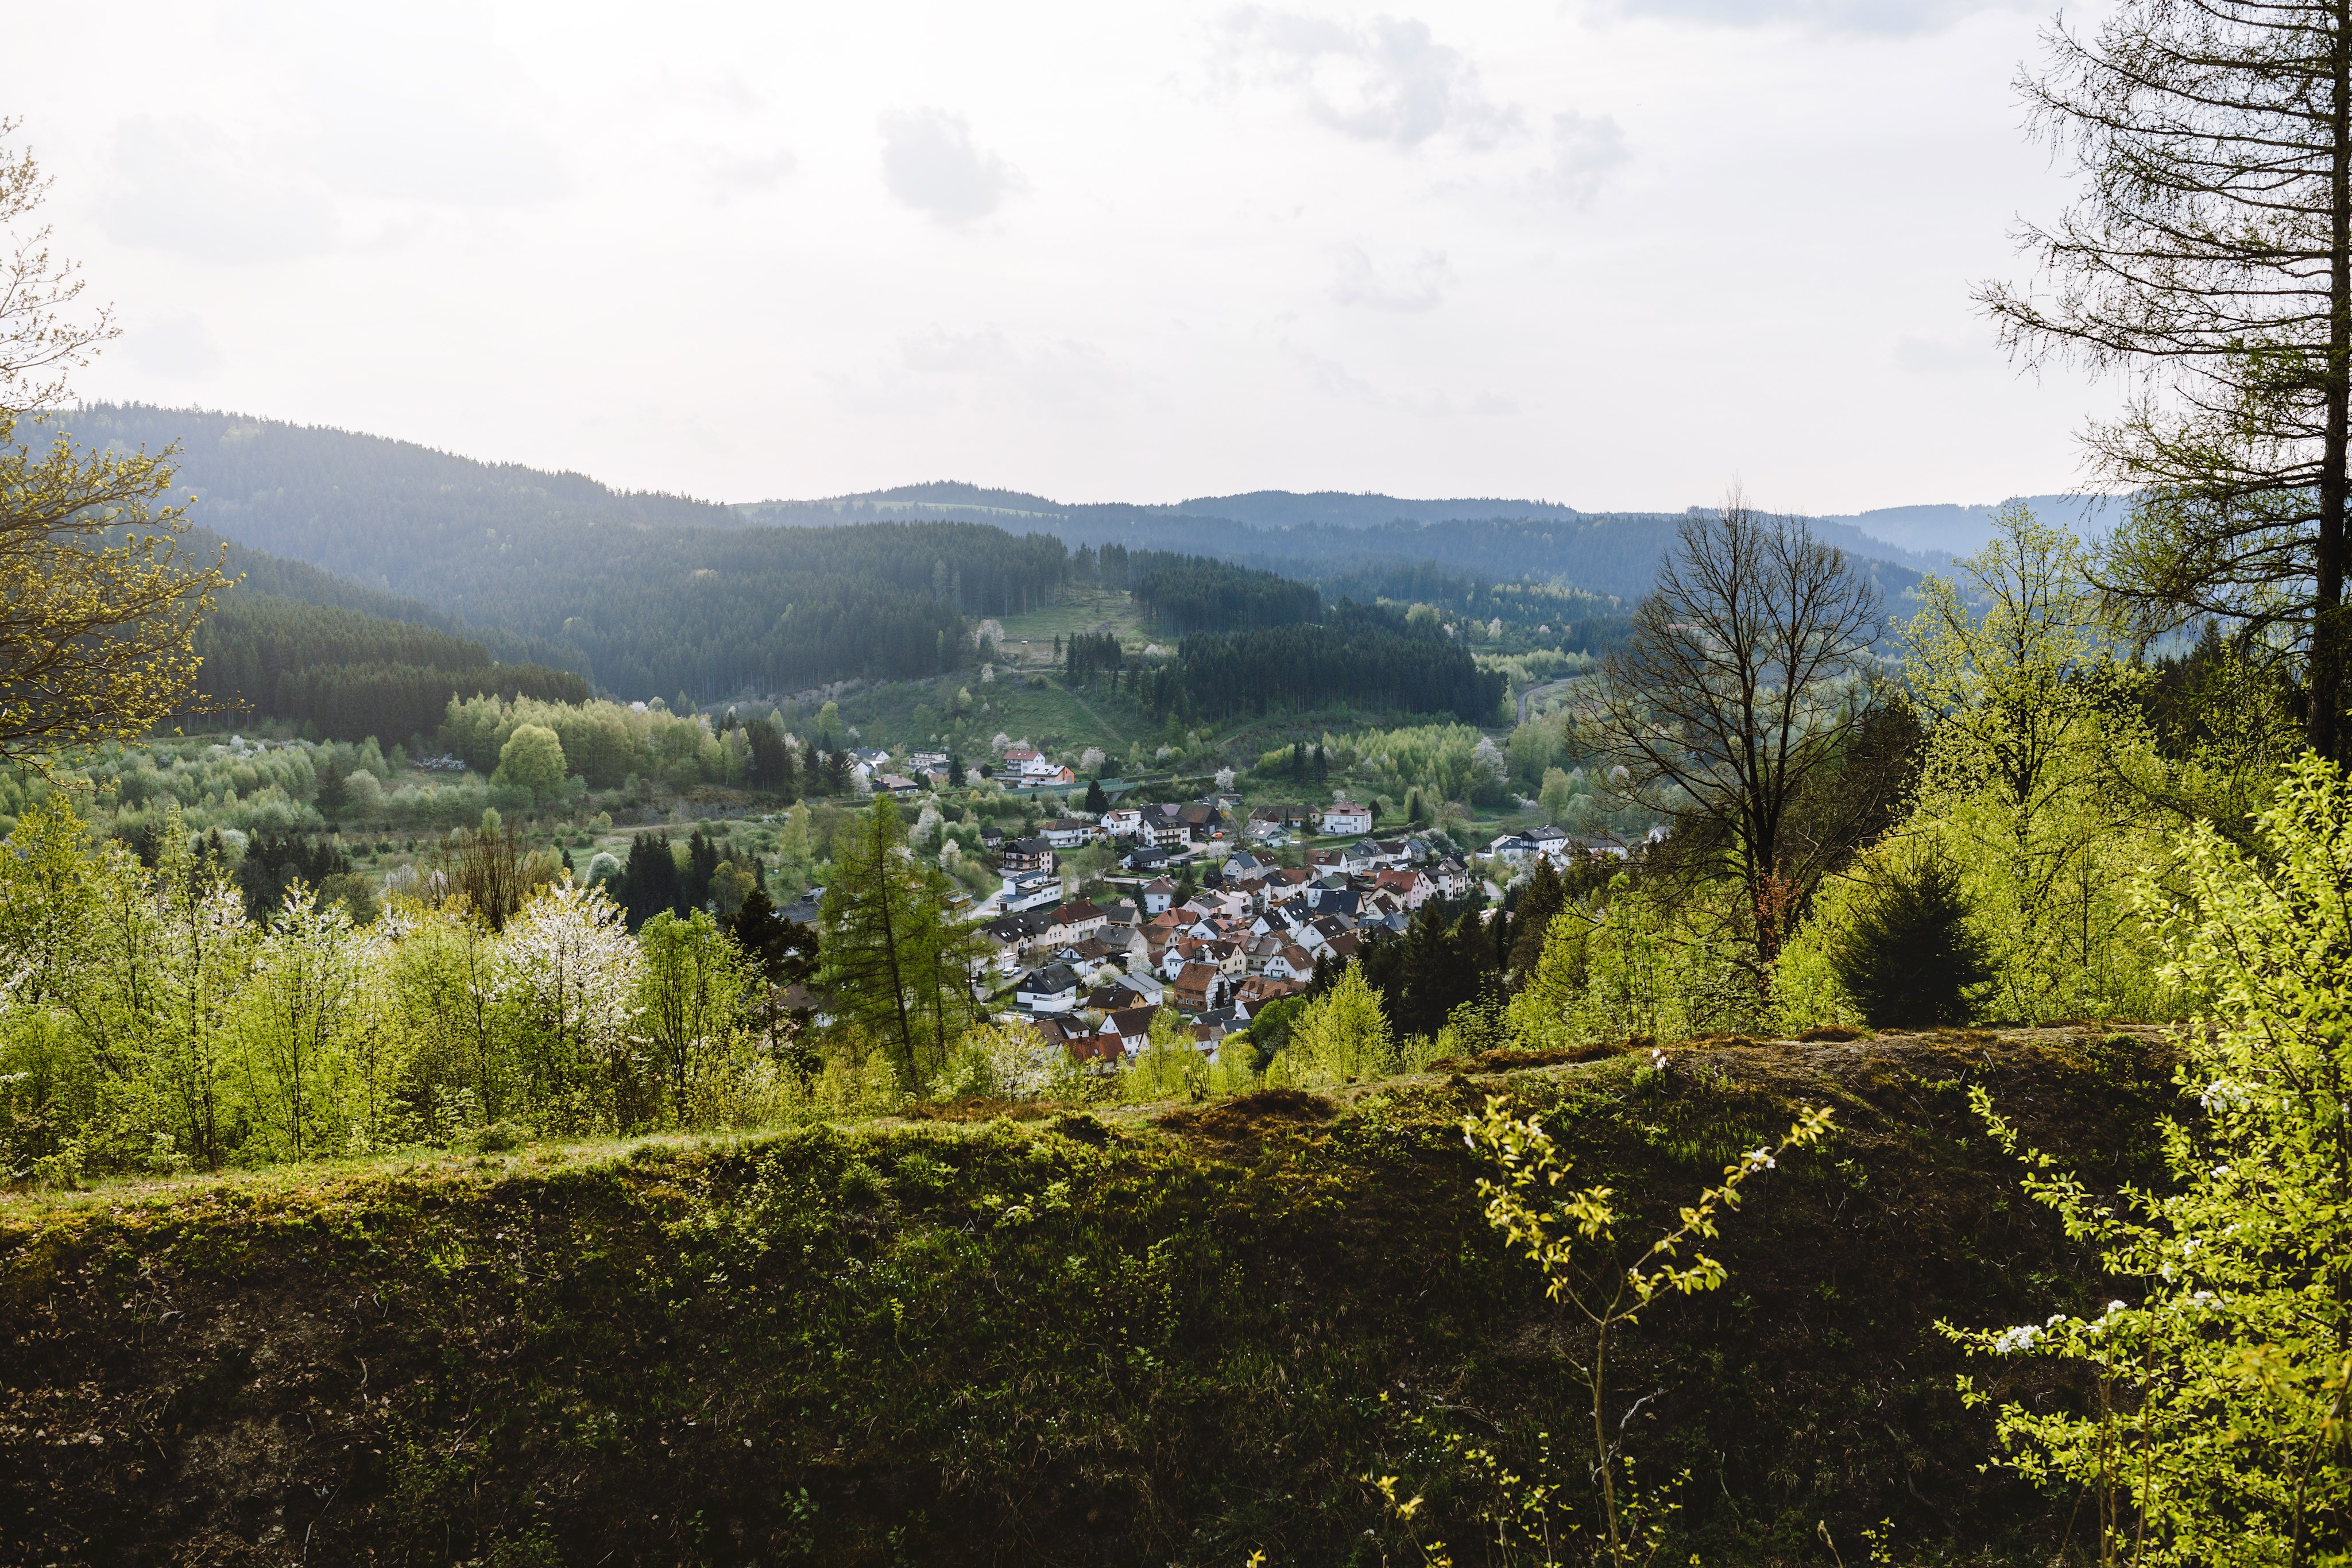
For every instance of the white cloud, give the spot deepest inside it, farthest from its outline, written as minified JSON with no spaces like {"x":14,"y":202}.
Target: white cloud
{"x":732,"y":174}
{"x":1421,"y":287}
{"x":930,"y":162}
{"x":1933,"y":357}
{"x":1584,"y":150}
{"x":183,"y":185}
{"x":1898,"y":18}
{"x":178,"y":347}
{"x":1388,"y":81}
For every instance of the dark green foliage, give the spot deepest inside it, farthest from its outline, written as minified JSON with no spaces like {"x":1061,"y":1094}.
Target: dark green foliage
{"x":774,"y":766}
{"x":1445,"y":958}
{"x":1184,"y":593}
{"x":648,"y":882}
{"x":1364,"y":657}
{"x":1097,"y":801}
{"x":350,"y":673}
{"x":1091,"y":653}
{"x":275,"y":862}
{"x":1907,"y":957}
{"x":785,"y":950}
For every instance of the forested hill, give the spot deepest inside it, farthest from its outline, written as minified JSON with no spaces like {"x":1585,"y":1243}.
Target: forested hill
{"x":647,"y":595}
{"x":1327,"y":537}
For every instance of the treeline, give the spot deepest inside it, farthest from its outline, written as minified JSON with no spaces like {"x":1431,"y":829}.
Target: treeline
{"x":351,"y":675}
{"x":1364,"y":657}
{"x":1181,"y":593}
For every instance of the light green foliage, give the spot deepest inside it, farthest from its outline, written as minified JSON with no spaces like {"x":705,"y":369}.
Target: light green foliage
{"x":1168,"y":1067}
{"x":997,"y":1061}
{"x":1342,"y":1036}
{"x":2027,"y":706}
{"x":604,"y":742}
{"x":897,"y":963}
{"x":1627,"y":967}
{"x":691,"y":987}
{"x":2224,"y":1369}
{"x":145,"y":1022}
{"x":532,"y":759}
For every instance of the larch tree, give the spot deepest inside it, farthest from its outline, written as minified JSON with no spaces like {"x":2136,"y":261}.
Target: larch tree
{"x":98,"y":603}
{"x":2209,"y":258}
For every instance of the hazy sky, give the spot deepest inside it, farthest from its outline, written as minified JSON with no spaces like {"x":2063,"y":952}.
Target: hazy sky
{"x":1613,"y":252}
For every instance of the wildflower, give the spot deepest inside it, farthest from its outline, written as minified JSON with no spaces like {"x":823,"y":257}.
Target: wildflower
{"x":1657,"y":1060}
{"x":1761,"y":1160}
{"x":2010,"y":1341}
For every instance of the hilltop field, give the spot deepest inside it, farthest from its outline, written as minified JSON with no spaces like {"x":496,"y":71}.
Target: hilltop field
{"x":1018,"y":1331}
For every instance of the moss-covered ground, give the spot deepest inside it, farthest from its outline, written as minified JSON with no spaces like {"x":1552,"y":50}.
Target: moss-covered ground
{"x":1158,"y":1336}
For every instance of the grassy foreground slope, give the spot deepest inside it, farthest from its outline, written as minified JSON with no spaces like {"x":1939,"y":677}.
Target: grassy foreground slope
{"x":1126,"y":1337}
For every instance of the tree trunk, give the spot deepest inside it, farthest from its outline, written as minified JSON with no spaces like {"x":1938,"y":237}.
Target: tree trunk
{"x":2327,"y":628}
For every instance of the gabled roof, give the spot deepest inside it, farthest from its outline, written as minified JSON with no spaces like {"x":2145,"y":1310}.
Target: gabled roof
{"x":1050,"y":980}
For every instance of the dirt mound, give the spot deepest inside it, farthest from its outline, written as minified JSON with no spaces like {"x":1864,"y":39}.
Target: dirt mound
{"x":1510,"y":1058}
{"x":1249,"y":1115}
{"x":981,"y":1109}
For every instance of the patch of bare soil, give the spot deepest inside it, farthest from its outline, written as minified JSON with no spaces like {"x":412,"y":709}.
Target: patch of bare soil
{"x":1250,"y":1116}
{"x":1509,"y":1059}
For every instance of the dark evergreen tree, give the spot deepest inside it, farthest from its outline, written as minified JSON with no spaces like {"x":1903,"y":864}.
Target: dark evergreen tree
{"x":275,"y":862}
{"x":648,"y":881}
{"x":701,"y":862}
{"x":1097,"y":801}
{"x":955,"y":771}
{"x":1531,"y":916}
{"x":333,"y":792}
{"x":1908,"y":955}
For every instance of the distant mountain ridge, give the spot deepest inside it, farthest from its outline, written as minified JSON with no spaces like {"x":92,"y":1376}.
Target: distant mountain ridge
{"x":655,"y":590}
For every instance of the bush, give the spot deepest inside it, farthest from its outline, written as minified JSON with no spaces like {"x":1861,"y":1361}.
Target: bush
{"x":1907,"y":954}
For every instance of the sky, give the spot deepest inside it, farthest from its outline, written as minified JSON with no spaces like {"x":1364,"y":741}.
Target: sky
{"x":1617,"y":254}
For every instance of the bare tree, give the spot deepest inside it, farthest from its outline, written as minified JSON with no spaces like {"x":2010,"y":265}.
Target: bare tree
{"x":2210,"y":258}
{"x":1739,"y":691}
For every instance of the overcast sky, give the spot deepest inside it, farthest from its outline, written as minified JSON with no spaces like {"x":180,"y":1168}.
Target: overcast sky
{"x":1611,"y":253}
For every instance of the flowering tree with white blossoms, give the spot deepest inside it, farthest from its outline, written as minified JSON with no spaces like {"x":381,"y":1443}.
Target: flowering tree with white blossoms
{"x":2216,"y":1432}
{"x":565,"y":971}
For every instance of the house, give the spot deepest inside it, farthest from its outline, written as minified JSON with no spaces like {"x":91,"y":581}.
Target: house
{"x":1409,"y":888}
{"x":897,"y":784}
{"x":1030,"y":890}
{"x":1198,"y":988}
{"x":1045,"y":777}
{"x":1052,"y":989}
{"x":1123,"y":823}
{"x":1293,"y":963}
{"x":1268,"y":823}
{"x":1452,"y":877}
{"x":1145,"y":860}
{"x":1082,"y":1043}
{"x":991,"y":840}
{"x":926,"y":761}
{"x":1027,"y":854}
{"x":1345,"y":817}
{"x":1261,"y":991}
{"x":1128,"y":1030}
{"x":1075,"y":922}
{"x":1202,"y":822}
{"x":1066,"y":833}
{"x":1158,"y":895}
{"x":1018,"y":756}
{"x":1164,"y":827}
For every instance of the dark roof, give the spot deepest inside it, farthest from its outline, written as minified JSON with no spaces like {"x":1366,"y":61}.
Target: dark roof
{"x":1051,"y":979}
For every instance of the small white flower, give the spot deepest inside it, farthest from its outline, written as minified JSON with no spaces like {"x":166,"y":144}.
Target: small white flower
{"x":1761,"y":1160}
{"x":1658,"y":1061}
{"x":2114,"y":1307}
{"x":2009,"y":1342}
